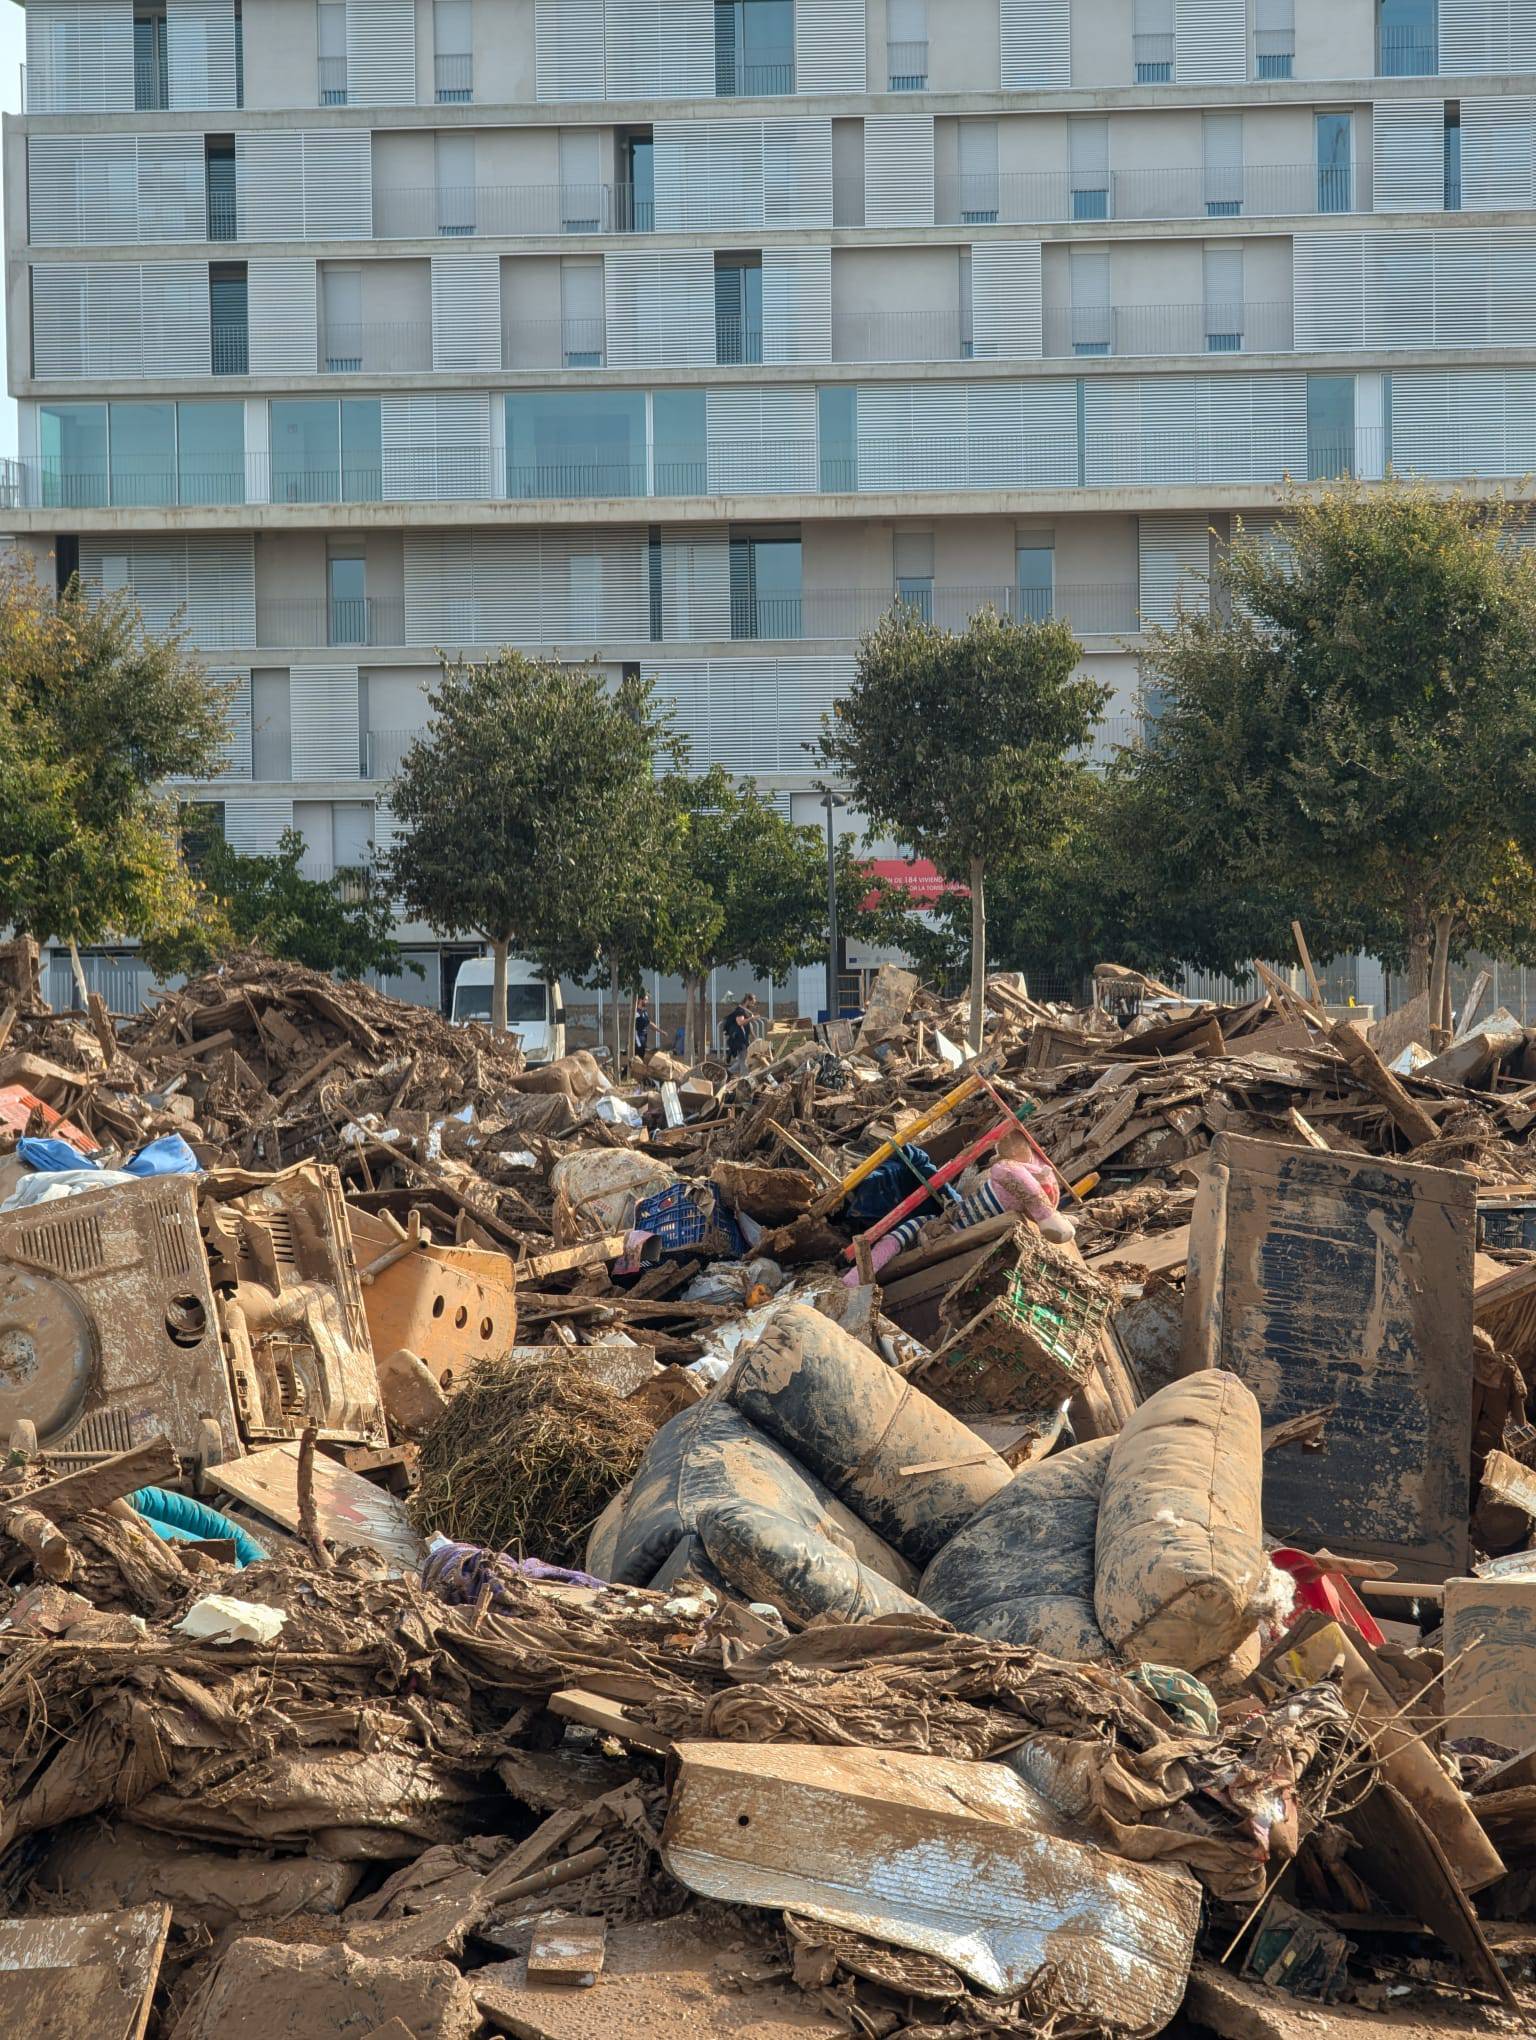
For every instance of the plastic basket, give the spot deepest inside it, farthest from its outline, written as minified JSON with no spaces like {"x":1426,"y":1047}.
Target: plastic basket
{"x":1025,"y":1329}
{"x":689,"y":1218}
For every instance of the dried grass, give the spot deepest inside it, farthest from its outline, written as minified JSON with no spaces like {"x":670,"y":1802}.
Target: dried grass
{"x":526,"y":1457}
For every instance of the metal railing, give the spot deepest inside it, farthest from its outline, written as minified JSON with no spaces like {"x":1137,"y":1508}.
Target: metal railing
{"x":1274,"y":52}
{"x":386,"y":750}
{"x":421,"y":212}
{"x":332,"y":81}
{"x":1153,"y":57}
{"x":737,"y":341}
{"x":907,"y":66}
{"x":151,"y":84}
{"x":1168,"y":329}
{"x":900,"y":336}
{"x":1407,"y":53}
{"x":229,"y":348}
{"x":223,"y":216}
{"x":1037,"y":197}
{"x":338,"y":620}
{"x":390,"y":347}
{"x":737,"y":79}
{"x":453,"y":79}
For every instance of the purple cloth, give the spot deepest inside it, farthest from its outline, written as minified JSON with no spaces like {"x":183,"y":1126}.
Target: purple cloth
{"x":463,"y":1572}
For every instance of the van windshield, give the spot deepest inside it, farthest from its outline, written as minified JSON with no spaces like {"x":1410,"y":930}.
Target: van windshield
{"x":525,"y":1004}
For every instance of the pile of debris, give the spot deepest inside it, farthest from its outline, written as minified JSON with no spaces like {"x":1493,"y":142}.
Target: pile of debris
{"x":896,"y":1541}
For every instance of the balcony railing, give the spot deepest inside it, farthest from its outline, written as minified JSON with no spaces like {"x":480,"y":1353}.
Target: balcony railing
{"x":1168,"y":329}
{"x":230,"y":348}
{"x":389,"y":347}
{"x":342,"y":620}
{"x":223,"y":216}
{"x":333,"y":81}
{"x":453,"y":78}
{"x":1274,"y":52}
{"x":1255,"y":190}
{"x":1153,"y":55}
{"x":907,"y":66}
{"x":423,"y":212}
{"x":386,"y":751}
{"x":737,"y":341}
{"x":1407,"y":52}
{"x":735,"y":78}
{"x":151,"y":85}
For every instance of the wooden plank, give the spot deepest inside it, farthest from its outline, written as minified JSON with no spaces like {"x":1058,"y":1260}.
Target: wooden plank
{"x":63,"y":1976}
{"x":587,"y":1255}
{"x":1313,"y":987}
{"x":351,"y":1510}
{"x":149,"y":1465}
{"x":568,"y":1950}
{"x":1408,"y":1115}
{"x":595,"y":1710}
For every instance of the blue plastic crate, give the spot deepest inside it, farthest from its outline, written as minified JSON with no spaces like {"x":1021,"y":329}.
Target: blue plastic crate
{"x":689,"y":1217}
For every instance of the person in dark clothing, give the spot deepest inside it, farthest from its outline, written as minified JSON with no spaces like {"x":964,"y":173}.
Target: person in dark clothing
{"x":738,"y":1031}
{"x":642,"y":1026}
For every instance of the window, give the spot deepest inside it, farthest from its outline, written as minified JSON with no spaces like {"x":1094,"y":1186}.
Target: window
{"x":454,"y":160}
{"x":1088,"y":152}
{"x":1223,"y":297}
{"x":271,"y":728}
{"x":754,"y":48}
{"x":738,"y":308}
{"x":331,"y":24}
{"x":765,"y":582}
{"x":837,"y":437}
{"x":977,"y":155}
{"x":219,"y":178}
{"x":151,"y":54}
{"x":210,"y":453}
{"x":913,"y":552}
{"x":1274,"y":38}
{"x":72,"y":454}
{"x":1221,"y":140}
{"x":1152,"y":42}
{"x":453,"y":46}
{"x":1407,"y":38}
{"x":576,"y":443}
{"x":1330,"y":426}
{"x":229,"y":328}
{"x":341,"y":298}
{"x":1335,"y":162}
{"x":362,"y":450}
{"x":680,"y":442}
{"x":1453,"y":158}
{"x":1036,"y":569}
{"x":1088,"y":270}
{"x":581,"y":185}
{"x":346,"y":574}
{"x":325,"y":451}
{"x":906,"y":45}
{"x":967,"y":305}
{"x":581,"y":312}
{"x":637,"y":183}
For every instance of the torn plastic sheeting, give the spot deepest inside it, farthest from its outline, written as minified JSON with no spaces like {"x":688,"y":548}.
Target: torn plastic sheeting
{"x":957,"y":1860}
{"x":49,"y":1185}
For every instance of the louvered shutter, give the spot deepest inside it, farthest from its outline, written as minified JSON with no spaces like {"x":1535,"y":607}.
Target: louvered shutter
{"x":1210,"y":42}
{"x":221,"y":590}
{"x":282,"y":301}
{"x":58,"y":320}
{"x":695,"y":583}
{"x":254,"y":828}
{"x":200,"y":50}
{"x":1036,"y":44}
{"x":439,"y":589}
{"x":269,"y":186}
{"x":82,"y":190}
{"x":660,"y":49}
{"x":797,"y":304}
{"x":1459,"y":286}
{"x":323,"y":703}
{"x":1487,"y":36}
{"x":381,"y":52}
{"x":1498,"y":146}
{"x":761,"y":439}
{"x":913,"y":436}
{"x":80,"y":56}
{"x":830,"y":43}
{"x":338,"y":184}
{"x":508,"y":583}
{"x":466,"y":312}
{"x":709,"y":174}
{"x":1250,"y":428}
{"x":114,"y":318}
{"x":1328,"y":281}
{"x":898,"y":170}
{"x":568,"y":49}
{"x":172,"y":188}
{"x":659,"y":307}
{"x":1408,"y":155}
{"x":594,"y":587}
{"x":176,"y":318}
{"x":1005,"y":299}
{"x":1173,"y":556}
{"x":1447,"y":425}
{"x":237,"y":721}
{"x":437,"y":447}
{"x":796,"y":176}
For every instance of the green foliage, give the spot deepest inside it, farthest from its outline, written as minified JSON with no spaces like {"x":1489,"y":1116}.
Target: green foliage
{"x":342,"y":924}
{"x":95,"y":715}
{"x":1355,"y":744}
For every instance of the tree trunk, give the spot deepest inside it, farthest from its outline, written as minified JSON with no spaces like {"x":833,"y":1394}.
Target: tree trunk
{"x":616,"y":1019}
{"x":1418,"y":962}
{"x":1439,"y":985}
{"x":693,"y":1016}
{"x":82,"y":989}
{"x":978,"y":951}
{"x":499,"y":986}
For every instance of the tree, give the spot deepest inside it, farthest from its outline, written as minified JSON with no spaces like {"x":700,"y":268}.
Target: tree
{"x":342,"y":924}
{"x":965,"y":745}
{"x":1355,"y":741}
{"x":96,"y":714}
{"x":527,"y":810}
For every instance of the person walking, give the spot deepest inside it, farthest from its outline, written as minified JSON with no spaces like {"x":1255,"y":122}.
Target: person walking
{"x":738,"y":1030}
{"x":643,"y":1027}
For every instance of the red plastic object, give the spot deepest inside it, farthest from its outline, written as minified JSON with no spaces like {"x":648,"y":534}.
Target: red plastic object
{"x":17,"y":1106}
{"x":1329,"y":1592}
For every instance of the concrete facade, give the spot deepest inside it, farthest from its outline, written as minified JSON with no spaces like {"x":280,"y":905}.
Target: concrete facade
{"x":561,"y":323}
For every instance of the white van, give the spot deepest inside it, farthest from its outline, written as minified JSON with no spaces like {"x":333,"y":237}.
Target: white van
{"x":535,"y":1010}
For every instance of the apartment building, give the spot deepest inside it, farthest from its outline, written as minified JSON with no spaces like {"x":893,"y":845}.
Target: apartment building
{"x":685,"y":334}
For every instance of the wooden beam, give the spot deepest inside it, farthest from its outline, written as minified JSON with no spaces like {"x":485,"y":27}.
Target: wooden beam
{"x":94,"y":1486}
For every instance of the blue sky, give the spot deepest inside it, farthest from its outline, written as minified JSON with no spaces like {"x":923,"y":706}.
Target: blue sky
{"x":13,"y":50}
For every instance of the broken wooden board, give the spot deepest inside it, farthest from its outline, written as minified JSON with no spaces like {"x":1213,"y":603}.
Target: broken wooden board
{"x":148,"y":1465}
{"x":351,"y":1510}
{"x":65,"y":1976}
{"x":885,"y":1010}
{"x":1490,"y":1658}
{"x":960,"y":1861}
{"x":567,"y":1950}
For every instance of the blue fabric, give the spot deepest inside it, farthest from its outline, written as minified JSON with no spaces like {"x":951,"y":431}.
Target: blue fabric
{"x":167,"y":1157}
{"x":47,"y":1153}
{"x":181,"y":1517}
{"x":884,"y":1188}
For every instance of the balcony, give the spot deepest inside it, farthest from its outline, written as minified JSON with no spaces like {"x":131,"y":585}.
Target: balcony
{"x":907,"y":66}
{"x":223,"y":216}
{"x":1153,"y":57}
{"x":737,"y":341}
{"x":1274,"y":52}
{"x":737,"y":78}
{"x":425,"y":212}
{"x":349,"y":620}
{"x":332,"y":81}
{"x":230,"y":347}
{"x":389,"y":347}
{"x":1167,"y":329}
{"x":386,"y":750}
{"x":453,"y":80}
{"x":1253,"y":190}
{"x":1407,"y":52}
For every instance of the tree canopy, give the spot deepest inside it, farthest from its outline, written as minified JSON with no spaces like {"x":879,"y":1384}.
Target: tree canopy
{"x":966,"y":746}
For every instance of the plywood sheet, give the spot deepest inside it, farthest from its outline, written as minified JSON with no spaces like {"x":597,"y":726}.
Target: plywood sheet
{"x":63,"y":1977}
{"x":351,"y":1510}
